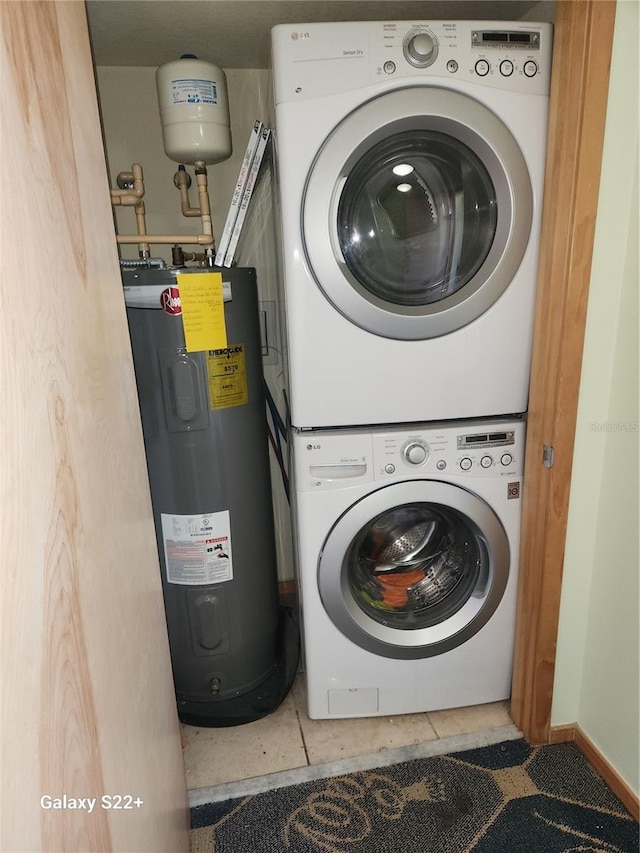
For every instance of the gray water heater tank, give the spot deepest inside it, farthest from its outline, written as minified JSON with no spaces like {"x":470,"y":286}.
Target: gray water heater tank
{"x":206,"y":443}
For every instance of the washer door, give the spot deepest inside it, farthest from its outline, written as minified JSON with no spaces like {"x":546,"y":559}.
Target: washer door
{"x":417,"y":213}
{"x":414,"y":569}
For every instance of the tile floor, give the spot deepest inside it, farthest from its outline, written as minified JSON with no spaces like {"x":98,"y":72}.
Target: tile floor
{"x":287,"y":739}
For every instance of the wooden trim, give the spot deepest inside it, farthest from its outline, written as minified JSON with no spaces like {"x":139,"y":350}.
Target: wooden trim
{"x":579,"y":90}
{"x":572,"y":733}
{"x":563,"y":734}
{"x":610,"y":775}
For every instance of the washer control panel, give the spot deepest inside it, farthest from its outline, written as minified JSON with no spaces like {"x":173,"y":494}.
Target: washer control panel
{"x":343,"y":458}
{"x":415,"y":451}
{"x":475,"y":449}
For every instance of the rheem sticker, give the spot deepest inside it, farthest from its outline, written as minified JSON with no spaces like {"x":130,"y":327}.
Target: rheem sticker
{"x":170,"y":301}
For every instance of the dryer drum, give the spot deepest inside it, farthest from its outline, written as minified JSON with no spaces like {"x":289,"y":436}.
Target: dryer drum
{"x":416,"y":213}
{"x":417,"y":217}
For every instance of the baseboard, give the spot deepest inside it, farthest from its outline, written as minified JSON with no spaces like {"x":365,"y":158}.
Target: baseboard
{"x":573,"y":732}
{"x":563,"y":734}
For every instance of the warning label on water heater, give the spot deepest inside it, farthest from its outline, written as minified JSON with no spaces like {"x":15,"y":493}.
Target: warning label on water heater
{"x":197,"y":548}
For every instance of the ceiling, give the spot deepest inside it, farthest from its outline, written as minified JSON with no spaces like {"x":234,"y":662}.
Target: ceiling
{"x":235,"y":33}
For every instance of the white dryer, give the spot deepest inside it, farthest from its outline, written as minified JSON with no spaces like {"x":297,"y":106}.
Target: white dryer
{"x":410,"y":160}
{"x":407,"y":549}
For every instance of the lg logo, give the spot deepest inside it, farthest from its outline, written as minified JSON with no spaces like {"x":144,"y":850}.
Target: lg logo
{"x":314,"y":446}
{"x":296,"y":36}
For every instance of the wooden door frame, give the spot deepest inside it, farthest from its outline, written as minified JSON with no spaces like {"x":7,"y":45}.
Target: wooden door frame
{"x":583,"y":39}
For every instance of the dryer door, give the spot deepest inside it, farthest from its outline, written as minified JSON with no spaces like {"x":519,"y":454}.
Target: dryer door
{"x":414,"y":569}
{"x":417,"y":213}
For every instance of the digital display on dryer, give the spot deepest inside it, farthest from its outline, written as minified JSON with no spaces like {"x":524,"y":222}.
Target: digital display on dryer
{"x":501,"y":38}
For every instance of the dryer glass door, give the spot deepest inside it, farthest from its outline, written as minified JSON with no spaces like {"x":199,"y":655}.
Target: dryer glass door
{"x":417,"y":217}
{"x":423,"y":573}
{"x":417,"y":213}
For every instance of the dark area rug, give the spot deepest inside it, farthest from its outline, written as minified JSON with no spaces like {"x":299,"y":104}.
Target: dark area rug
{"x":507,"y":798}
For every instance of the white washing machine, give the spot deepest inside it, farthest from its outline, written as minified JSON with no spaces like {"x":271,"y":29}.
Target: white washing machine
{"x":407,"y":549}
{"x":410,"y":161}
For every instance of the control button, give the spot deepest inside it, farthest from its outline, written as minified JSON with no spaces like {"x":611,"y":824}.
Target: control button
{"x":486,"y":462}
{"x":506,"y":459}
{"x":452,"y":66}
{"x":389,"y":468}
{"x":441,"y":464}
{"x":506,"y":68}
{"x":389,"y":67}
{"x":416,"y":452}
{"x":421,"y":49}
{"x":482,"y":67}
{"x":530,"y":68}
{"x":466,"y":463}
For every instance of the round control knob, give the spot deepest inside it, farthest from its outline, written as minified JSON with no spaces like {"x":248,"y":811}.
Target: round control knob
{"x":486,"y":462}
{"x":466,"y":463}
{"x":506,"y":459}
{"x":506,"y":68}
{"x":415,"y":452}
{"x":421,"y":49}
{"x":389,"y":468}
{"x":530,"y":68}
{"x":482,"y":68}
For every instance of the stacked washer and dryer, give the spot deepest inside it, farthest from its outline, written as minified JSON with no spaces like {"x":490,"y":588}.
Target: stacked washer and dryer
{"x":410,"y":160}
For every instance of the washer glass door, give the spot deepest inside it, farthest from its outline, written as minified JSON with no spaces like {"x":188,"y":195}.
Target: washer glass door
{"x":422,"y":575}
{"x":417,"y":213}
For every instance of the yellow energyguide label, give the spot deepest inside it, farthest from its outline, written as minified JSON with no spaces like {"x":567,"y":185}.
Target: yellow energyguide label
{"x":227,"y":373}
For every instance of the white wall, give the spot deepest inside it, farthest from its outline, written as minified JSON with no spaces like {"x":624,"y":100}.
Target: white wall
{"x":597,"y":674}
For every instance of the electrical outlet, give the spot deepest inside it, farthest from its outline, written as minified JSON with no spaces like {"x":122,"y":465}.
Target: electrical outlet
{"x":268,"y":332}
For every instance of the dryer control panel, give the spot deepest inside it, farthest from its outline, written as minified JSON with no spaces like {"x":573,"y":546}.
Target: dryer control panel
{"x":512,"y":56}
{"x":312,"y":60}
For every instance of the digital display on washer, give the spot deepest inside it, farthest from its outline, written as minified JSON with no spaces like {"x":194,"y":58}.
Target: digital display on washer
{"x":486,"y":439}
